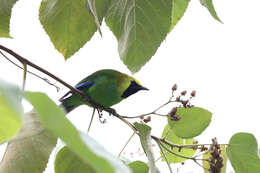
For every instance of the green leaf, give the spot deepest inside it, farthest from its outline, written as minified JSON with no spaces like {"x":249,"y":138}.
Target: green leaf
{"x":5,"y":15}
{"x":209,"y":5}
{"x":30,"y":149}
{"x":176,"y":140}
{"x":242,"y":152}
{"x":140,"y":27}
{"x":10,"y":111}
{"x":84,"y":146}
{"x":68,"y":23}
{"x":145,"y":138}
{"x":192,"y":123}
{"x":98,"y":9}
{"x":67,"y":162}
{"x":223,"y":155}
{"x":138,"y":167}
{"x":178,"y":10}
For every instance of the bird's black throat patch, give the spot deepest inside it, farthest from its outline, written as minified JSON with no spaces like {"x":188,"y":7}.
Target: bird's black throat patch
{"x":132,"y":89}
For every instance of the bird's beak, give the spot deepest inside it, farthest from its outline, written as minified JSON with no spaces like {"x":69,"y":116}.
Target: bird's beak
{"x":143,"y":88}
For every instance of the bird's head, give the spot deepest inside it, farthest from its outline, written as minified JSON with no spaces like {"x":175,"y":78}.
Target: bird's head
{"x":133,"y":87}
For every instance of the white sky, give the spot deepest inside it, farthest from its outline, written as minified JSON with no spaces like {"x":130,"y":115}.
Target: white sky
{"x":219,"y":61}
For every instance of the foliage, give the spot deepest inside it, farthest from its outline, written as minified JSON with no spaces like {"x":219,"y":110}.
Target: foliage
{"x":140,"y":27}
{"x":10,"y":111}
{"x":243,"y":153}
{"x":169,"y":135}
{"x":192,"y":123}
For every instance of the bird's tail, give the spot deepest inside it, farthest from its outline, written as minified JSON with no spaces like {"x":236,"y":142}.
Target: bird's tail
{"x":65,"y":104}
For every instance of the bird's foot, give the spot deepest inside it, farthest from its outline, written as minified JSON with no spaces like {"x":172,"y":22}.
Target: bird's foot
{"x":111,"y":111}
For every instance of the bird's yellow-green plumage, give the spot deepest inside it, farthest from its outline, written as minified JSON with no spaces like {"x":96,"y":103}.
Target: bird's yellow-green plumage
{"x":104,"y":87}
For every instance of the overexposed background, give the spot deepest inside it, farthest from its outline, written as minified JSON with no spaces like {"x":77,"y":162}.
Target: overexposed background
{"x":219,"y":61}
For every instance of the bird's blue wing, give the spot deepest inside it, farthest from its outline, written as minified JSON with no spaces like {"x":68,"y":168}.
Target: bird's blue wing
{"x":81,"y":86}
{"x":84,"y":85}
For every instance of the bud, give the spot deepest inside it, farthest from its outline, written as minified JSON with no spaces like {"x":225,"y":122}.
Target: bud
{"x":147,"y":119}
{"x":193,"y":93}
{"x":172,"y":112}
{"x":174,"y":87}
{"x":141,"y":117}
{"x":183,"y":92}
{"x":175,"y":117}
{"x":184,"y":103}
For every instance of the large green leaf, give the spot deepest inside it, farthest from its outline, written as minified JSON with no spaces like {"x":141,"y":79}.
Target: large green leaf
{"x":242,"y":152}
{"x":68,"y":23}
{"x":178,"y":10}
{"x":29,"y":150}
{"x":10,"y":110}
{"x":98,"y":9}
{"x":144,"y":133}
{"x":84,"y":146}
{"x":192,"y":123}
{"x":140,"y":26}
{"x":223,"y":155}
{"x":176,"y":140}
{"x":138,"y":167}
{"x":5,"y":15}
{"x":209,"y":5}
{"x":67,"y":162}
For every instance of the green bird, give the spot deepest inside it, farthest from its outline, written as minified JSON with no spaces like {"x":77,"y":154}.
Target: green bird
{"x":104,"y":87}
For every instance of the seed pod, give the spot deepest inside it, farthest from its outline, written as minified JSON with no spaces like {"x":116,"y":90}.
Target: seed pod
{"x":183,"y":92}
{"x":174,"y":87}
{"x":193,"y":93}
{"x":147,"y":119}
{"x":172,"y":112}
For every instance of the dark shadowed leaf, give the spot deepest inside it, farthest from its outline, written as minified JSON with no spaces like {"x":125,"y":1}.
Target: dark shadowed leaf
{"x":145,"y":138}
{"x":30,"y":149}
{"x":67,"y":162}
{"x":140,"y":27}
{"x":84,"y":146}
{"x":192,"y":123}
{"x":138,"y":167}
{"x":10,"y":110}
{"x":5,"y":15}
{"x":242,"y":152}
{"x":69,"y":24}
{"x":176,"y":140}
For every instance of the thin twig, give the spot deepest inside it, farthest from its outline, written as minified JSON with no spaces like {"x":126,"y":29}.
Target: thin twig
{"x":24,"y":75}
{"x":44,"y":79}
{"x":126,"y":144}
{"x":176,"y":154}
{"x":155,"y":111}
{"x":93,"y":113}
{"x":164,"y":156}
{"x":23,"y":60}
{"x":201,"y":165}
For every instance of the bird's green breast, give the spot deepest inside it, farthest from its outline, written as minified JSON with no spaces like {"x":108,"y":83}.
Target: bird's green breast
{"x":107,"y":89}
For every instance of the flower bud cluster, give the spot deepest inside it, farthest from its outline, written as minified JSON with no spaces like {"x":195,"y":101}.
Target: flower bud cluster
{"x":215,"y":160}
